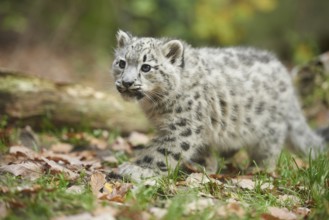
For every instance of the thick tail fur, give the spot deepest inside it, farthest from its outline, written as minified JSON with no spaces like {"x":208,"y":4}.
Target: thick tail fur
{"x":324,"y":133}
{"x":303,"y":139}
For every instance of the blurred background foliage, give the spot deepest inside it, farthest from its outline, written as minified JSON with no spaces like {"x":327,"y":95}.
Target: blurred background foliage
{"x":296,"y":30}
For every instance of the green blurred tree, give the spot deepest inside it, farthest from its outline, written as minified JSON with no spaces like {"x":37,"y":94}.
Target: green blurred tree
{"x":295,"y":29}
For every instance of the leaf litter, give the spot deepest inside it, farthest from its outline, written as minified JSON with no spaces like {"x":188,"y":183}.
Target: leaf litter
{"x":63,"y":158}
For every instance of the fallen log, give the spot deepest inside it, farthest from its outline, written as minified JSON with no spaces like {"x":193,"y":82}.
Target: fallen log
{"x":29,"y":100}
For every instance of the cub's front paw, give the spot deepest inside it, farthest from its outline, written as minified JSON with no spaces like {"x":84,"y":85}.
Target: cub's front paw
{"x":135,"y":172}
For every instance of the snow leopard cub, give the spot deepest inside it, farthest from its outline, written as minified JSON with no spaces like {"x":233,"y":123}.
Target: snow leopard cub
{"x":205,"y":99}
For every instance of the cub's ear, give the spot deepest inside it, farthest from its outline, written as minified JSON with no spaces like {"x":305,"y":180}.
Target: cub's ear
{"x":174,"y":51}
{"x":123,"y":38}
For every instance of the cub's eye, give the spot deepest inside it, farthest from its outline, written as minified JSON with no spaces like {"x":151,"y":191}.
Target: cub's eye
{"x":146,"y":68}
{"x":122,"y":64}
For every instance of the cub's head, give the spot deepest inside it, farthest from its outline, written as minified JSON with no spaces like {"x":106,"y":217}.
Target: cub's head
{"x":147,"y":68}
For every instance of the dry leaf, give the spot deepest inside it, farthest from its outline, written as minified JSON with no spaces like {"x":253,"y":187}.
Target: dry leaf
{"x":115,"y":191}
{"x":4,"y":189}
{"x":289,"y":198}
{"x":28,"y":169}
{"x":110,"y":159}
{"x":136,"y":138}
{"x":158,"y":212}
{"x":56,"y":168}
{"x":87,"y":216}
{"x":198,"y":205}
{"x":196,"y":180}
{"x":108,"y":188}
{"x":3,"y":210}
{"x":97,"y":181}
{"x":269,"y":186}
{"x":266,"y":216}
{"x":96,"y":142}
{"x":150,"y":182}
{"x":300,"y":163}
{"x":221,"y":177}
{"x":100,"y":210}
{"x":84,"y":155}
{"x":206,"y":195}
{"x":76,"y":189}
{"x":232,"y":208}
{"x":61,"y":148}
{"x":29,"y":189}
{"x":121,"y":145}
{"x":282,"y":213}
{"x":303,"y":211}
{"x":65,"y":158}
{"x":23,"y":151}
{"x":244,"y":183}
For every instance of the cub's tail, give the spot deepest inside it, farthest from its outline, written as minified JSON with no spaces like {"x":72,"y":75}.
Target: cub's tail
{"x":303,"y":139}
{"x":324,"y":133}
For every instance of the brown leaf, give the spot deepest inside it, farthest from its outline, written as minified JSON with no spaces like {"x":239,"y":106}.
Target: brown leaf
{"x":110,"y":159}
{"x":76,"y":189}
{"x":244,"y":183}
{"x":198,"y":205}
{"x":61,"y":147}
{"x":282,"y":213}
{"x":56,"y":168}
{"x":196,"y":180}
{"x":14,"y":203}
{"x":300,"y":163}
{"x":266,"y":216}
{"x":121,"y":145}
{"x":221,"y":177}
{"x":23,"y":151}
{"x":97,"y":181}
{"x":158,"y":212}
{"x":28,"y":169}
{"x":4,"y":189}
{"x":29,"y":189}
{"x":115,"y":191}
{"x":84,"y":155}
{"x":266,"y":186}
{"x":97,"y":143}
{"x":3,"y":210}
{"x":289,"y":198}
{"x":87,"y":216}
{"x":136,"y":138}
{"x":101,"y":210}
{"x":232,"y":208}
{"x":65,"y":158}
{"x":302,"y":211}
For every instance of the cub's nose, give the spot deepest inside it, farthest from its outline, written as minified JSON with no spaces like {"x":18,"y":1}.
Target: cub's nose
{"x":127,"y":84}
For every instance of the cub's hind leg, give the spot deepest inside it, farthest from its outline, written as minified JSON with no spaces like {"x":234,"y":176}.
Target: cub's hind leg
{"x":266,"y":152}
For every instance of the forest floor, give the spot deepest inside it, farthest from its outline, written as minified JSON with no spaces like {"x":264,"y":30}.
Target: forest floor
{"x":66,"y":174}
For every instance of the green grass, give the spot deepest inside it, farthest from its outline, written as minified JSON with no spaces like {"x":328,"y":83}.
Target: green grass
{"x":50,"y":199}
{"x":308,"y":184}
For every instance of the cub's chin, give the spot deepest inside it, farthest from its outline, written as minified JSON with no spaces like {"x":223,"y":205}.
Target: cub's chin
{"x":132,"y":95}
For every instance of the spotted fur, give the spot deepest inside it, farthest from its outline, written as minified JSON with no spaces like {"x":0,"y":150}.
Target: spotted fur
{"x":225,"y":98}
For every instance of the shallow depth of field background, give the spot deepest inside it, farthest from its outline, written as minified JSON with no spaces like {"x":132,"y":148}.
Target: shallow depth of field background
{"x":73,"y":41}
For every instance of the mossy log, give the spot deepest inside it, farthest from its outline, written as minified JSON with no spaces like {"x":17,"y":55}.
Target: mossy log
{"x":29,"y":100}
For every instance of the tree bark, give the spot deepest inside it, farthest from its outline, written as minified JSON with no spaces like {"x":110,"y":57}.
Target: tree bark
{"x":29,"y":100}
